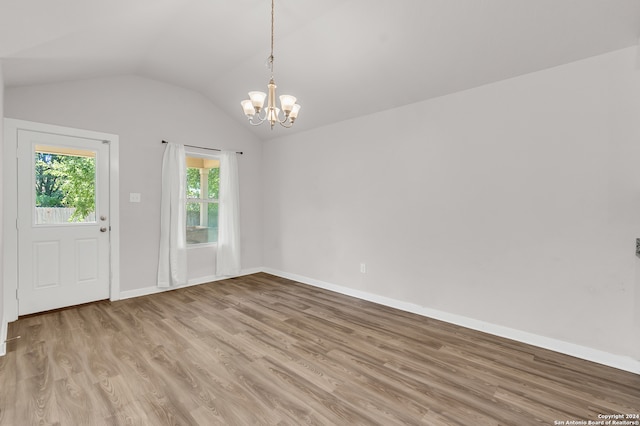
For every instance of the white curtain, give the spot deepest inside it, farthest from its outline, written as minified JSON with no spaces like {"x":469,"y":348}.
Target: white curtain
{"x":228,"y":255}
{"x":172,"y":265}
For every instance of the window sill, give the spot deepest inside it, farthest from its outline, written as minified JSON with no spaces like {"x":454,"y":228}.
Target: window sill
{"x":201,"y":245}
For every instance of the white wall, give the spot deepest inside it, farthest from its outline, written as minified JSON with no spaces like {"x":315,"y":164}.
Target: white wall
{"x":3,"y":325}
{"x":515,"y":203}
{"x":143,"y":112}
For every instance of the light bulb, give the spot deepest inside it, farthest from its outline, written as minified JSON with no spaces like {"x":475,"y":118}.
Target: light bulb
{"x":287,"y":102}
{"x":248,"y":108}
{"x":294,"y":112}
{"x":257,"y":99}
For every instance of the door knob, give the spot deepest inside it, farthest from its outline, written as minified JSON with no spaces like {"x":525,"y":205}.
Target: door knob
{"x":103,"y":218}
{"x":103,"y":229}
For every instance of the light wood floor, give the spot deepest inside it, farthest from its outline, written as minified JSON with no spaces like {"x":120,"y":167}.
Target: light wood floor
{"x":264,"y":350}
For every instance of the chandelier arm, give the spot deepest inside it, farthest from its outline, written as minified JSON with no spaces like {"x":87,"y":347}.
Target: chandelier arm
{"x":286,"y":123}
{"x":258,"y":117}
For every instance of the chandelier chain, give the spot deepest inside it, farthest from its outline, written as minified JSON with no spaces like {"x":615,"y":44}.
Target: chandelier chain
{"x":272,"y":30}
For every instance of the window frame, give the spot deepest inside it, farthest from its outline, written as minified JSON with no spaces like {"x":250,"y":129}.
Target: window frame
{"x":202,"y":201}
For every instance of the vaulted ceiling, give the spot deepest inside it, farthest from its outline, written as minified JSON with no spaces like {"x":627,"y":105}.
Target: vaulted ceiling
{"x":341,"y":58}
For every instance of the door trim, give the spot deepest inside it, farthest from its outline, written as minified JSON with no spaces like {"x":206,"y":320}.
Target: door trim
{"x":10,"y":205}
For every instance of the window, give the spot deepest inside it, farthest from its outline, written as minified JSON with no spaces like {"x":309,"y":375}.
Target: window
{"x":64,"y":185}
{"x":203,"y":183}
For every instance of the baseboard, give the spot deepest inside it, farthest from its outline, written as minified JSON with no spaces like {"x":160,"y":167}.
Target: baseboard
{"x":578,"y":351}
{"x":128,"y":294}
{"x":4,"y":329}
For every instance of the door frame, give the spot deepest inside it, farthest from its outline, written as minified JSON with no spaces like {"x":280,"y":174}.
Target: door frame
{"x":10,"y":206}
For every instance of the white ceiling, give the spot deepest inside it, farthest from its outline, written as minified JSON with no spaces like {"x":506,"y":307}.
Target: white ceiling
{"x":341,"y":58}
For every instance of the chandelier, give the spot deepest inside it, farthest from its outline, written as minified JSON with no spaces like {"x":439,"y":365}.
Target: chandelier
{"x":253,"y":107}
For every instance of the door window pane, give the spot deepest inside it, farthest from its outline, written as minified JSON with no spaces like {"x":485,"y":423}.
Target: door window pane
{"x":65,"y":190}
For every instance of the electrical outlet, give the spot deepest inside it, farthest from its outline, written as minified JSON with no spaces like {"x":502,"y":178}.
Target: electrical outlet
{"x":363,"y":268}
{"x":134,"y":197}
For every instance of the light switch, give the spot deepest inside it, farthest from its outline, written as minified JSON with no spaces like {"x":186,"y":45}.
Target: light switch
{"x":134,"y":197}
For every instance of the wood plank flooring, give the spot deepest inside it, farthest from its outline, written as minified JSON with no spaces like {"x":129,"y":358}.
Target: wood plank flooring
{"x":262,"y":350}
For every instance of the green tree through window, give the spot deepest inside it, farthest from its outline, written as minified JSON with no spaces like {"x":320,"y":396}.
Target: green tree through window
{"x":66,"y":181}
{"x":48,"y":191}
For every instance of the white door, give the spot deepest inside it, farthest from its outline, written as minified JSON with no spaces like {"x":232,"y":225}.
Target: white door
{"x":63,"y":223}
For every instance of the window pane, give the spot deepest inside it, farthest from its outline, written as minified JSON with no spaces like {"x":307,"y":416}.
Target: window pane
{"x":213,"y":217}
{"x":214,"y":183}
{"x":193,"y":214}
{"x":193,"y":183}
{"x":65,"y":185}
{"x":202,"y":223}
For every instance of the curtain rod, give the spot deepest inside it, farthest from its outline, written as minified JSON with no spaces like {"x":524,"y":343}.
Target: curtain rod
{"x":210,"y":149}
